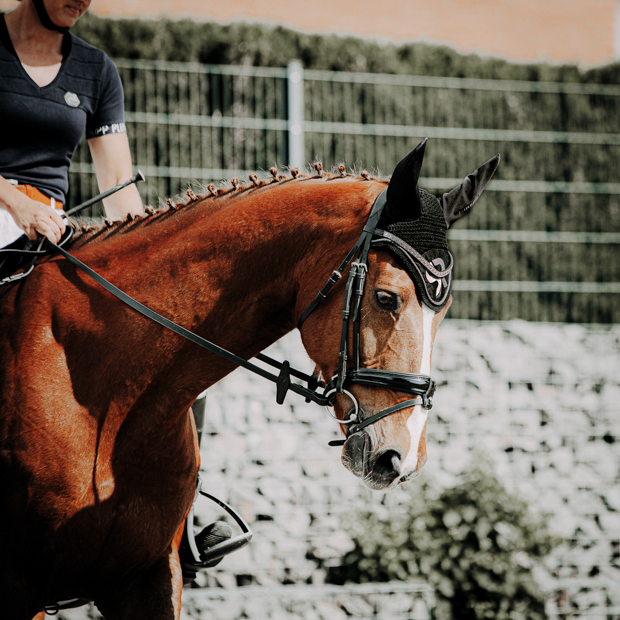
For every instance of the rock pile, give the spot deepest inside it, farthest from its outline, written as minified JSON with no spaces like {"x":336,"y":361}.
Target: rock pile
{"x":541,"y":400}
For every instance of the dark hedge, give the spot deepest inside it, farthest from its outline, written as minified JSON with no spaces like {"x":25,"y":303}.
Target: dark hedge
{"x":179,"y":92}
{"x":274,"y":46}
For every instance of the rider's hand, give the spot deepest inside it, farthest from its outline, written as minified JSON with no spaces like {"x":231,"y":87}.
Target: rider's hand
{"x":34,"y":217}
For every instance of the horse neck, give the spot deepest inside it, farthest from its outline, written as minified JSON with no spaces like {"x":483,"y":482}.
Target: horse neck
{"x":235,"y":269}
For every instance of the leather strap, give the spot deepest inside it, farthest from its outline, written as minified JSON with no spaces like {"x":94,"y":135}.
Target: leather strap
{"x":336,"y":275}
{"x":356,"y":428}
{"x":45,"y":18}
{"x":367,"y":232}
{"x":412,"y":383}
{"x":282,"y":380}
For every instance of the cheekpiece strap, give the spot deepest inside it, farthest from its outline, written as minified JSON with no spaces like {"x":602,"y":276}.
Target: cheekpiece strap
{"x":364,"y":240}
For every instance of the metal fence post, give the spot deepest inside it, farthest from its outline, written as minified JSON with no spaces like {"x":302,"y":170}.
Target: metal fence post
{"x":295,"y":84}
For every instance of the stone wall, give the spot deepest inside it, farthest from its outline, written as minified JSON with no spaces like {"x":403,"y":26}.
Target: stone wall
{"x":541,"y":400}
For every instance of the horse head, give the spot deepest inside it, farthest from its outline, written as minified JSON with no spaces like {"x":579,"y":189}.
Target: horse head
{"x":406,"y":294}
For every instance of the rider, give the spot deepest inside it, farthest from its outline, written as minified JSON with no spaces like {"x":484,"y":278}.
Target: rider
{"x":54,"y":88}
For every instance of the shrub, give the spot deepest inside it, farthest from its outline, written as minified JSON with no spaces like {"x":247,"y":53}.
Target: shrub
{"x":475,"y":543}
{"x":275,"y":46}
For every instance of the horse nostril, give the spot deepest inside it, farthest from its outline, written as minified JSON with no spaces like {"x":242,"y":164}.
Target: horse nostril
{"x":353,"y":453}
{"x":387,"y":464}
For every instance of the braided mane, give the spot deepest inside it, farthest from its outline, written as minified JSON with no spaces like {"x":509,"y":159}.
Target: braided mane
{"x":86,"y":231}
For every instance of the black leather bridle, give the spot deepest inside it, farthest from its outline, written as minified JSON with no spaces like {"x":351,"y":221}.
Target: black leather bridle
{"x":422,"y":386}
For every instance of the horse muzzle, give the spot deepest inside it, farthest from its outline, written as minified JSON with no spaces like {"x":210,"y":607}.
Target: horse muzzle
{"x":378,"y":468}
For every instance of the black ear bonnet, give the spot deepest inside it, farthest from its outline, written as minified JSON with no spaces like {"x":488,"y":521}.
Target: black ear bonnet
{"x":413,"y":223}
{"x":421,"y":245}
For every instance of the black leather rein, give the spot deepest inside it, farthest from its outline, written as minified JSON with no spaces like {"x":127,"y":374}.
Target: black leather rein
{"x":421,"y":386}
{"x":282,"y":381}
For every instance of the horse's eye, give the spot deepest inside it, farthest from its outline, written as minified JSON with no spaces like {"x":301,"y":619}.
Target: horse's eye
{"x":386,"y":300}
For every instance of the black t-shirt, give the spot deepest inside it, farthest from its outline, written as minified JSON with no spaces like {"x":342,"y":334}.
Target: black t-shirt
{"x":40,"y":127}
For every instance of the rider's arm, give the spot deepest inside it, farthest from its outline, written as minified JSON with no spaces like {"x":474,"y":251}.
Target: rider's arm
{"x":31,"y":216}
{"x":112,"y":161}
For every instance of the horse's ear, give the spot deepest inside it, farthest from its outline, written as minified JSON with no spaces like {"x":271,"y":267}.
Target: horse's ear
{"x":403,"y":196}
{"x":458,"y":201}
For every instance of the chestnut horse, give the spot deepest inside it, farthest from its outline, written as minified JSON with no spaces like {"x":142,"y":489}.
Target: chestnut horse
{"x":98,"y":450}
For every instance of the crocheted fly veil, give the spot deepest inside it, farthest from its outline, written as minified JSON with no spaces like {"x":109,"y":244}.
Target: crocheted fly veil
{"x":414,"y":224}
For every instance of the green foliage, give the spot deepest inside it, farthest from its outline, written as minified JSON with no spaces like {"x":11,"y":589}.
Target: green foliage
{"x":276,"y":46}
{"x":167,"y":91}
{"x":475,"y":543}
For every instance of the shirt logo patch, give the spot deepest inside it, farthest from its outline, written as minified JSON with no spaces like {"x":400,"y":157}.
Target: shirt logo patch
{"x":113,"y":128}
{"x":72,"y":99}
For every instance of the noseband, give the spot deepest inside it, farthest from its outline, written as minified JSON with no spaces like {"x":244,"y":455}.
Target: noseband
{"x":422,"y":386}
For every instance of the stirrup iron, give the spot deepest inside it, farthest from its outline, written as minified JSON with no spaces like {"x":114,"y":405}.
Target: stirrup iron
{"x":215,"y":540}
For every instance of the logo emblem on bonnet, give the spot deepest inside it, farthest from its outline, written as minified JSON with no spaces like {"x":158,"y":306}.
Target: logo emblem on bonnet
{"x":441,"y":266}
{"x":72,"y":99}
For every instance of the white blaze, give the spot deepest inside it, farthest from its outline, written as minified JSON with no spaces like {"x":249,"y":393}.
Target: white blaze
{"x":418,"y":417}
